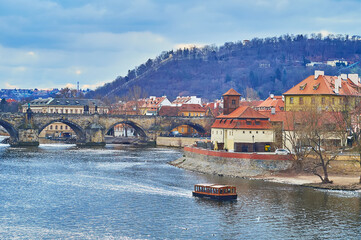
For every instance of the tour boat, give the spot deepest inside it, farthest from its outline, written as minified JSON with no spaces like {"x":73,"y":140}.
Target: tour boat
{"x":215,"y":191}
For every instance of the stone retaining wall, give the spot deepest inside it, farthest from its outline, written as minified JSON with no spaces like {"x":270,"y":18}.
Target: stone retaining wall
{"x":176,"y":141}
{"x":233,"y":164}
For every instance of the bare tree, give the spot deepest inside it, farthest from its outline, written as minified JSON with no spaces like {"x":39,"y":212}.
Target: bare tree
{"x":322,"y":133}
{"x":295,"y":137}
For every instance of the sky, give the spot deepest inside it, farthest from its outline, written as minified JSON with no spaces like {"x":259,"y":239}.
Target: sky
{"x":57,"y":43}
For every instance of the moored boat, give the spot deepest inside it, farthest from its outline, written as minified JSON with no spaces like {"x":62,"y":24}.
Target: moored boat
{"x":215,"y":191}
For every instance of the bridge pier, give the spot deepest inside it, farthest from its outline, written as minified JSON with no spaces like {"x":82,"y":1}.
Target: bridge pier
{"x":26,"y":138}
{"x":94,"y":136}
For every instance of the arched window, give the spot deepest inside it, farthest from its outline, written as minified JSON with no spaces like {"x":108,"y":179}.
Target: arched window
{"x":56,"y":127}
{"x":51,"y":127}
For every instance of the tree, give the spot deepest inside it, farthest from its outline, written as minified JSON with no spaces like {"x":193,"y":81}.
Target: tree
{"x":3,"y":105}
{"x":294,"y":138}
{"x":321,"y":136}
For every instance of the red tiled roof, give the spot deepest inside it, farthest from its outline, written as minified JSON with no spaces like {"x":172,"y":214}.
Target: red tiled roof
{"x":323,"y":85}
{"x":192,"y":108}
{"x":168,"y":111}
{"x":253,"y":103}
{"x":244,"y":112}
{"x":231,"y":92}
{"x":275,"y":102}
{"x":241,"y":124}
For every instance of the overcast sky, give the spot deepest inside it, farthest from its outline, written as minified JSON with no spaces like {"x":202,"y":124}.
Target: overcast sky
{"x":54,"y":43}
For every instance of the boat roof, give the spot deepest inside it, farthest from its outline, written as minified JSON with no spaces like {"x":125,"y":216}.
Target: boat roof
{"x":213,"y":185}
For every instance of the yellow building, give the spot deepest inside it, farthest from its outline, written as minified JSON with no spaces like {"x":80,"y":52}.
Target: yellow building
{"x":324,"y":92}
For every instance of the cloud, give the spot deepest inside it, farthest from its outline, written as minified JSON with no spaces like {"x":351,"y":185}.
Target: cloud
{"x":48,"y":43}
{"x":8,"y":85}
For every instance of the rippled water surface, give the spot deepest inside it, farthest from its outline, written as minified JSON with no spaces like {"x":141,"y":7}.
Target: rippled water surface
{"x":120,"y":192}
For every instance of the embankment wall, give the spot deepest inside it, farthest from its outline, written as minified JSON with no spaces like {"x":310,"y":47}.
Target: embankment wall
{"x":233,"y":164}
{"x":176,"y":141}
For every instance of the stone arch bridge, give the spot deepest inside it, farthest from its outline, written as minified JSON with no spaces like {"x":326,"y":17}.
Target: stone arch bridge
{"x":24,"y":128}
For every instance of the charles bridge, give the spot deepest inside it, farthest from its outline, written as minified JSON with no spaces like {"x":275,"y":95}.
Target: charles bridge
{"x":90,"y":129}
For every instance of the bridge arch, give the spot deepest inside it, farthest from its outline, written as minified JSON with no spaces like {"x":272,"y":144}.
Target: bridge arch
{"x":136,"y":127}
{"x":197,"y":127}
{"x":80,"y":133}
{"x":10,"y":129}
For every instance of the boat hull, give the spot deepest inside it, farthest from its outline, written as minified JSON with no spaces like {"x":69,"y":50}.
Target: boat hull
{"x":216,"y":197}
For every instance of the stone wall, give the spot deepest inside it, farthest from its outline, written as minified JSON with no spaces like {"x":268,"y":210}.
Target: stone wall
{"x":233,"y":164}
{"x":176,"y":141}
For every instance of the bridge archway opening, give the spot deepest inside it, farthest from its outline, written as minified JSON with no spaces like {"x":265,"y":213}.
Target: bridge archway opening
{"x":9,"y":129}
{"x":187,"y":130}
{"x":126,"y":129}
{"x":63,"y":130}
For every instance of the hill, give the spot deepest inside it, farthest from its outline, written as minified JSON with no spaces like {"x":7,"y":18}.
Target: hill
{"x":258,"y":66}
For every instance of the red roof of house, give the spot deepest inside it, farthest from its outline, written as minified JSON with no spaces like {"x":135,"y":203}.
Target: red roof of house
{"x":244,"y":112}
{"x":192,"y":108}
{"x":231,"y":92}
{"x":241,"y":124}
{"x":168,"y":111}
{"x":275,"y":102}
{"x":252,"y":103}
{"x":323,"y":85}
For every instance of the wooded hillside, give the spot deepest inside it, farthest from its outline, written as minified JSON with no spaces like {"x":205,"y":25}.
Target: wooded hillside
{"x":270,"y":65}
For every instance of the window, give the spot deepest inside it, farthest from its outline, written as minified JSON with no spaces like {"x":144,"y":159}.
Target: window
{"x":333,"y":101}
{"x":313,"y":100}
{"x":323,"y":100}
{"x":61,"y":127}
{"x":291,"y":100}
{"x":256,"y":132}
{"x":66,"y":127}
{"x":250,"y":131}
{"x":263,"y":132}
{"x":258,"y":122}
{"x":233,"y":102}
{"x":244,"y":131}
{"x":301,"y":100}
{"x":56,"y":127}
{"x":51,"y":127}
{"x":248,"y":122}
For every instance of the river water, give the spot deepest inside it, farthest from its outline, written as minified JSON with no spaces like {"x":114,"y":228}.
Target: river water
{"x":122,"y":192}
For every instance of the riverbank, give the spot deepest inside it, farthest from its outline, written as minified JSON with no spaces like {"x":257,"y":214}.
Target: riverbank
{"x":268,"y":169}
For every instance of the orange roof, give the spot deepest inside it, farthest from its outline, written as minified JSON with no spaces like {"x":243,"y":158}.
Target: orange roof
{"x":244,"y":112}
{"x":252,"y":103}
{"x":275,"y":102}
{"x":168,"y":111}
{"x":323,"y":85}
{"x":231,"y":92}
{"x":192,"y":108}
{"x":242,"y":124}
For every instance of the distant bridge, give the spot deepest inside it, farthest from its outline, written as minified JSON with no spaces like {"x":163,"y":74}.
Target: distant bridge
{"x":24,"y":128}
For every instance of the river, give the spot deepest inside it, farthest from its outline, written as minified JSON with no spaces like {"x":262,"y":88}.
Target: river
{"x":59,"y":191}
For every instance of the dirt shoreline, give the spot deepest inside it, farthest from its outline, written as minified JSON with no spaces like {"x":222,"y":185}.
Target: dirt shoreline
{"x":340,"y":182}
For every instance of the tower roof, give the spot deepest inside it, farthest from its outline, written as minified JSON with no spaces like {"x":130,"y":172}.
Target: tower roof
{"x":231,"y":92}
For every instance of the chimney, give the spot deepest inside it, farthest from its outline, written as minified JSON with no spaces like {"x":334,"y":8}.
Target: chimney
{"x":337,"y":84}
{"x":344,"y":77}
{"x":354,"y":78}
{"x":272,"y":96}
{"x":273,"y":111}
{"x":318,"y":73}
